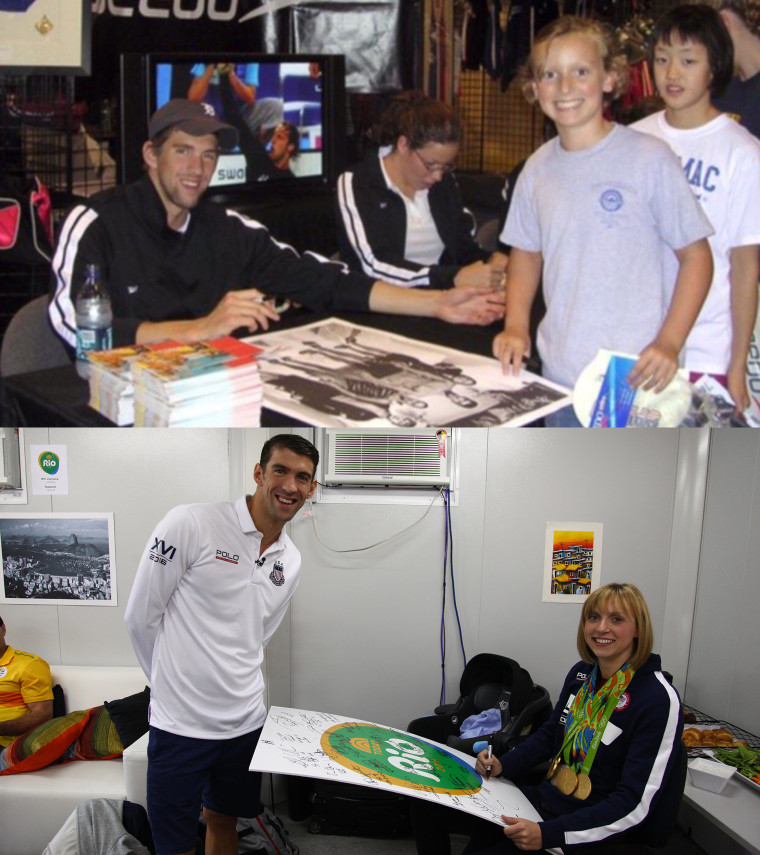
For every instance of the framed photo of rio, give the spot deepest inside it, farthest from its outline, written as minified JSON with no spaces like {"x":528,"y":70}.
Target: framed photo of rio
{"x":64,"y":559}
{"x":572,"y":562}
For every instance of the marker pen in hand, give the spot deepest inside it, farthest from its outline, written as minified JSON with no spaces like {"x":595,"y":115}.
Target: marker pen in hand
{"x":490,"y":752}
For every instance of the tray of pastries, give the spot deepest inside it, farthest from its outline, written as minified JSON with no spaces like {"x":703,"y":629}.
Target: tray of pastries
{"x":710,"y":736}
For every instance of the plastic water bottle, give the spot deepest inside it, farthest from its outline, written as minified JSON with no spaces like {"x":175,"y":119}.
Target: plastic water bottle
{"x":94,"y":317}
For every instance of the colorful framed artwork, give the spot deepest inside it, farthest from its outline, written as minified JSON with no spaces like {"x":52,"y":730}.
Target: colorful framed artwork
{"x":572,"y":561}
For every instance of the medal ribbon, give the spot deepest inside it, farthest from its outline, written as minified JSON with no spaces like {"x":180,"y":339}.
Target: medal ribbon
{"x":589,"y":715}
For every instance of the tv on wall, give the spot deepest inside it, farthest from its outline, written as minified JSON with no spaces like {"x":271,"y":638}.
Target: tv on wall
{"x":289,"y":111}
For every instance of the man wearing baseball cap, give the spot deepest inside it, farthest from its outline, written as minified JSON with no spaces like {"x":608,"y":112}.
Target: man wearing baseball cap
{"x":182,"y":268}
{"x":195,"y":118}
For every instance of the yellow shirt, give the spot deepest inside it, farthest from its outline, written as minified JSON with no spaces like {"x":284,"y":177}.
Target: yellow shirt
{"x":24,"y":678}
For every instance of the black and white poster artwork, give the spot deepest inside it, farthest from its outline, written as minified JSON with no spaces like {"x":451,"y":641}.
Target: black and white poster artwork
{"x":338,"y":374}
{"x":58,"y":559}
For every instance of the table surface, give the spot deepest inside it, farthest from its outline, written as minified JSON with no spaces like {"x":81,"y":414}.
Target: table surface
{"x":736,"y":811}
{"x":58,"y":397}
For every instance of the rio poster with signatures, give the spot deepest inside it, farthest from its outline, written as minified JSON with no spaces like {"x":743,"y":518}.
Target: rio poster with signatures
{"x":335,"y":748}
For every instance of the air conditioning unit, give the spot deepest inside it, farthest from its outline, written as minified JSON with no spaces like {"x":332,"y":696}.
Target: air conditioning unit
{"x":418,"y":457}
{"x":10,"y":459}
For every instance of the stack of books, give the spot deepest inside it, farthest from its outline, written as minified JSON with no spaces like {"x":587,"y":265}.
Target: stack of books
{"x":110,"y":376}
{"x":214,"y":383}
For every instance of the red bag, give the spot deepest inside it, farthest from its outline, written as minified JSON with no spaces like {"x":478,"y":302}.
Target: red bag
{"x":26,"y":223}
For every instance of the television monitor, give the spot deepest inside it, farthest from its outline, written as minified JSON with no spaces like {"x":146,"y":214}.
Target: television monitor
{"x":278,"y":102}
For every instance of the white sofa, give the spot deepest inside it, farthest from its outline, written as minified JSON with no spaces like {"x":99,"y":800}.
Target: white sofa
{"x":34,"y":805}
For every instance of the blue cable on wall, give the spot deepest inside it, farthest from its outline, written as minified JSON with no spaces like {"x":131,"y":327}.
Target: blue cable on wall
{"x":448,"y":566}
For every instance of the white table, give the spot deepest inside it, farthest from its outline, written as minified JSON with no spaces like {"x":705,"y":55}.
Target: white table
{"x":713,"y":817}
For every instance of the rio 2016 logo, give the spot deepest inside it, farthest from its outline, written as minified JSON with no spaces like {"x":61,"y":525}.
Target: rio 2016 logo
{"x":398,"y":758}
{"x":49,"y":462}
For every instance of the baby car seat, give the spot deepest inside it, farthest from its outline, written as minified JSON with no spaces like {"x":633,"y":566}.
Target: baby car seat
{"x":489,"y":681}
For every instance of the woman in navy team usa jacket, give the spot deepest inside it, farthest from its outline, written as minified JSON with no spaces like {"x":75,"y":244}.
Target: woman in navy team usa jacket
{"x":600,"y":790}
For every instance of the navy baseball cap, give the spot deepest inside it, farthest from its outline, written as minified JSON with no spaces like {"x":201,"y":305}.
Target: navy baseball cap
{"x":196,"y":118}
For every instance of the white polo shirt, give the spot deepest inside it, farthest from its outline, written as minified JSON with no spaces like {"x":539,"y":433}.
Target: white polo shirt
{"x":202,"y":609}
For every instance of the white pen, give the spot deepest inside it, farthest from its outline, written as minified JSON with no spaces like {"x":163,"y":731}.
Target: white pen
{"x":488,"y":769}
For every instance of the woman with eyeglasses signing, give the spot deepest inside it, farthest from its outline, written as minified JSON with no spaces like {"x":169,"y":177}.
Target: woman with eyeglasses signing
{"x":401,"y":217}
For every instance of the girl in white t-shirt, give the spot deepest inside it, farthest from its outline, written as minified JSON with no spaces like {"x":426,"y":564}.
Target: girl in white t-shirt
{"x":691,"y":55}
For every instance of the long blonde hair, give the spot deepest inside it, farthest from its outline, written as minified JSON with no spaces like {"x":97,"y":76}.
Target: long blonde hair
{"x":632,"y":602}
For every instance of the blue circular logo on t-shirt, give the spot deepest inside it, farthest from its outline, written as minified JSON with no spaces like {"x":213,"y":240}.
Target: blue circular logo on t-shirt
{"x":611,"y":200}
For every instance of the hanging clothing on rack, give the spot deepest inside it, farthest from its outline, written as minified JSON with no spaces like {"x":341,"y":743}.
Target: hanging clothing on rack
{"x":474,"y":34}
{"x":492,"y":58}
{"x":439,"y":71}
{"x":633,"y":36}
{"x":640,"y":85}
{"x":526,"y":18}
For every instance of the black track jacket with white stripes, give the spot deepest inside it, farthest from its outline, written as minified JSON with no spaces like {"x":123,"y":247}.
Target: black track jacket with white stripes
{"x":154,"y":273}
{"x":372,"y":229}
{"x":632,"y":774}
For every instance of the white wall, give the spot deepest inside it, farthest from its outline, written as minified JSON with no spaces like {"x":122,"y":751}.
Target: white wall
{"x":626,"y":482}
{"x":723,"y":666}
{"x":371,"y":620}
{"x":137,"y":475}
{"x":363,"y":634}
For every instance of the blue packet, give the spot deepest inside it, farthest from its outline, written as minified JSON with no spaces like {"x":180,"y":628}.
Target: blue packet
{"x":615,"y":399}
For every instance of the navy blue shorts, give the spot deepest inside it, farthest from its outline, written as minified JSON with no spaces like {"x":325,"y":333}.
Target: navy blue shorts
{"x":186,"y":773}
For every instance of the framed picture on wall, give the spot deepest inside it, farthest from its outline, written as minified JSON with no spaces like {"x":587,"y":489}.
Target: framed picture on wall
{"x":58,"y":559}
{"x":45,"y":36}
{"x":572,"y":561}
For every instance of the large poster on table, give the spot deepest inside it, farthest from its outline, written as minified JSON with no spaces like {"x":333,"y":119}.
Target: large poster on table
{"x":339,"y":374}
{"x":336,"y":748}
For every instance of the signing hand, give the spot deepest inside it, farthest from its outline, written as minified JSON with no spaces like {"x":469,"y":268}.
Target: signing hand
{"x":480,"y":274}
{"x":245,"y":308}
{"x":470,"y":306}
{"x":523,"y":833}
{"x":512,"y":348}
{"x":655,"y":368}
{"x":483,"y":763}
{"x":500,"y":260}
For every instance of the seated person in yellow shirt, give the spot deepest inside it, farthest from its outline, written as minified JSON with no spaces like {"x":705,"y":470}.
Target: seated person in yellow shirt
{"x":26,"y":691}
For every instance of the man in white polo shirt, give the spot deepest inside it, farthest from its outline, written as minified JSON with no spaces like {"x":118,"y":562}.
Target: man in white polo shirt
{"x":212,"y":586}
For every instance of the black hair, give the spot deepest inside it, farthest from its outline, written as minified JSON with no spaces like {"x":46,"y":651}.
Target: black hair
{"x":294,"y":138}
{"x":701,"y":24}
{"x":420,"y":119}
{"x":1,"y":622}
{"x":293,"y":442}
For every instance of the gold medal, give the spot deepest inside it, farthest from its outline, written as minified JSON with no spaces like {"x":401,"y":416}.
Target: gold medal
{"x":566,"y":780}
{"x":583,"y":790}
{"x":553,"y":767}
